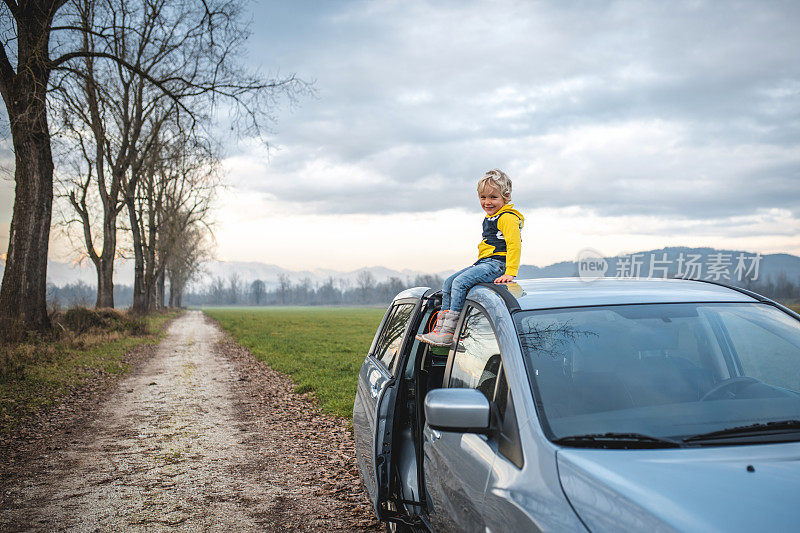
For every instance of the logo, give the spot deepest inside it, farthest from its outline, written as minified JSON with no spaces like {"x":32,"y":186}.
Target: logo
{"x":591,"y":265}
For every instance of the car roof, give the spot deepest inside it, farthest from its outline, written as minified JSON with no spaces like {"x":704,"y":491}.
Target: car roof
{"x":546,"y":293}
{"x":413,"y":292}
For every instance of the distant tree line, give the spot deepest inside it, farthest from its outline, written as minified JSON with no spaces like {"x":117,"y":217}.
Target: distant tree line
{"x":233,"y":290}
{"x":364,"y":291}
{"x":778,"y":288}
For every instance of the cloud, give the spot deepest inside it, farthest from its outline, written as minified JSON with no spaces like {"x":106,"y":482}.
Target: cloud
{"x":686,"y":109}
{"x":645,"y":120}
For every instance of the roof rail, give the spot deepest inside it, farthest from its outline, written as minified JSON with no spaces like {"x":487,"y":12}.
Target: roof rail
{"x":502,"y":291}
{"x":728,"y":286}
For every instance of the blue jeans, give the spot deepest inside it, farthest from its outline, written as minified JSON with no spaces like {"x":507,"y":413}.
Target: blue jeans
{"x":456,"y":287}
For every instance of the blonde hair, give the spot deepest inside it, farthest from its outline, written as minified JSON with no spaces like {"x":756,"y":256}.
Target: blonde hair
{"x":497,"y":179}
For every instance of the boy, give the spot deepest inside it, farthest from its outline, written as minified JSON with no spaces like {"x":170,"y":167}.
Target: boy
{"x":498,"y":255}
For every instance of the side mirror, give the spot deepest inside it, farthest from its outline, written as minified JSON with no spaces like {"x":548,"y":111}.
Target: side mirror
{"x":461,"y":410}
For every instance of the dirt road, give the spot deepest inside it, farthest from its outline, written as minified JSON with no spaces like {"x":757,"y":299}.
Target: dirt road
{"x":196,"y":439}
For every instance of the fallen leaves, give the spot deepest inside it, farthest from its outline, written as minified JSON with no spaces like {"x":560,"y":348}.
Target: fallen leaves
{"x":319,"y":447}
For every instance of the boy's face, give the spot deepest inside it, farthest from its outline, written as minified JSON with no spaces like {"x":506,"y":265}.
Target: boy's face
{"x":491,"y":200}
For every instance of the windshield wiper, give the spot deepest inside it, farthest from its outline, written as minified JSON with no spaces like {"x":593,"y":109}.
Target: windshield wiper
{"x":617,"y":440}
{"x":768,"y":428}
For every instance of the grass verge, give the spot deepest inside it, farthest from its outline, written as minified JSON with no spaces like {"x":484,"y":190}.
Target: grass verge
{"x":320,"y":348}
{"x":41,"y":373}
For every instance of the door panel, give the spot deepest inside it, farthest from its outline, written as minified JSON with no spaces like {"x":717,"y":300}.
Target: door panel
{"x":372,"y":380}
{"x":501,"y":509}
{"x":504,"y":512}
{"x":457,"y":467}
{"x":373,"y":405}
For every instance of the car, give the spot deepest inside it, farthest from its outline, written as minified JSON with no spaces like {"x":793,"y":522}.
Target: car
{"x":567,"y":405}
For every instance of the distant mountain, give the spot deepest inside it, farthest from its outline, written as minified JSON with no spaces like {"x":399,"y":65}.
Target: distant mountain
{"x":249,"y":271}
{"x":705,"y":263}
{"x":669,"y":260}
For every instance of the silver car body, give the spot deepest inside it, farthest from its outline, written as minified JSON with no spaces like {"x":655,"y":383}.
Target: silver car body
{"x":457,"y":481}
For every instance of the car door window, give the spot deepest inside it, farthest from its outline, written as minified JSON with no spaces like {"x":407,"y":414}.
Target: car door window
{"x":477,"y":356}
{"x":391,"y":339}
{"x":477,"y":364}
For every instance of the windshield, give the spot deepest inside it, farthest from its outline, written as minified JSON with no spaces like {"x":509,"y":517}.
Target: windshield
{"x":662,"y":370}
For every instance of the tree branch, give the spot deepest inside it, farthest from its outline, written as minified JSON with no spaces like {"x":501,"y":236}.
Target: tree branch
{"x":55,"y":64}
{"x":82,"y":30}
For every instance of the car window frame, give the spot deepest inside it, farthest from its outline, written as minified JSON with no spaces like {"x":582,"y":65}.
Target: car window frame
{"x":457,"y":336}
{"x":497,"y":429}
{"x":538,"y":403}
{"x":390,"y":313}
{"x":725,"y":344}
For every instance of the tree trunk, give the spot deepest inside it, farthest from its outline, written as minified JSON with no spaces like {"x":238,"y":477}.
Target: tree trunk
{"x":149,"y":288}
{"x":105,"y":284}
{"x":23,"y":302}
{"x":171,"y":289}
{"x":139,"y":296}
{"x":179,"y":296}
{"x":160,"y":289}
{"x":105,"y":272}
{"x":23,"y":296}
{"x":149,"y":274}
{"x":149,"y":251}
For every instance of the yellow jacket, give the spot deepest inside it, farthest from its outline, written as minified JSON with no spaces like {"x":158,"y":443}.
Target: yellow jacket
{"x":502,"y":237}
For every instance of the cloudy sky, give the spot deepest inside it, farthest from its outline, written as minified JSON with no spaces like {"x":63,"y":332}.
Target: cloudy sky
{"x":624,"y":126}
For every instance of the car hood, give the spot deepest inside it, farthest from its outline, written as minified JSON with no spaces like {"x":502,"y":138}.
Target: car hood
{"x":696,"y":489}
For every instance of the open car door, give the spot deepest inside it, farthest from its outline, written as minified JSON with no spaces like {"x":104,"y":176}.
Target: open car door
{"x":374,"y":406}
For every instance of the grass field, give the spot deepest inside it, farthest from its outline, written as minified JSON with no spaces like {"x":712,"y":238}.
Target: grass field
{"x":43,"y":373}
{"x":320,"y":348}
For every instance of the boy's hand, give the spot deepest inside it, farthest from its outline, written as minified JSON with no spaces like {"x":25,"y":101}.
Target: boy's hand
{"x":505,"y":278}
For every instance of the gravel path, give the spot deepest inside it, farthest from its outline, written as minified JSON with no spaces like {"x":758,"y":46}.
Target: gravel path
{"x":201,"y":437}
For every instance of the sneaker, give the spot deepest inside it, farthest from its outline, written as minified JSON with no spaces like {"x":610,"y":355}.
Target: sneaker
{"x":444,"y":336}
{"x":438,"y":326}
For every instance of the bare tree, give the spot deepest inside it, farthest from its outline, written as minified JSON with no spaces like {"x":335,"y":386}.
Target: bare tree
{"x":112,"y":115}
{"x":258,"y":291}
{"x":366,"y":283}
{"x":173,"y":193}
{"x":234,"y":288}
{"x":184,"y":262}
{"x":284,"y":287}
{"x":217,"y":290}
{"x":365,"y":280}
{"x":328,"y":293}
{"x":203,"y":35}
{"x":24,"y":77}
{"x":134,"y":109}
